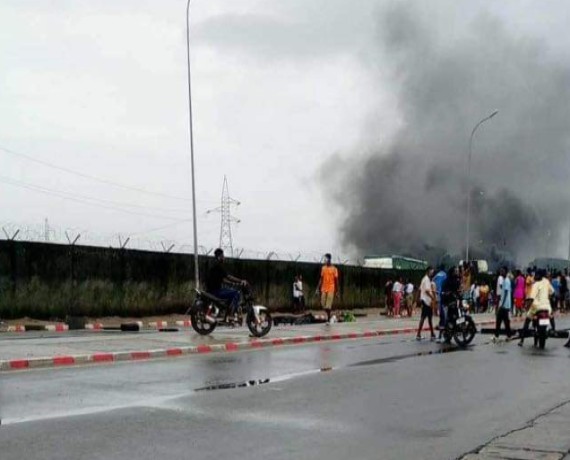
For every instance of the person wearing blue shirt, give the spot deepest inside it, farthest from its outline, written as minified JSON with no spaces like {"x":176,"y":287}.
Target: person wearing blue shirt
{"x":505,"y":306}
{"x":439,"y":280}
{"x":556,"y":286}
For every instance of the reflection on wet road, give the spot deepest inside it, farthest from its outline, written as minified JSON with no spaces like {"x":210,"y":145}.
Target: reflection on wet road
{"x":393,"y":395}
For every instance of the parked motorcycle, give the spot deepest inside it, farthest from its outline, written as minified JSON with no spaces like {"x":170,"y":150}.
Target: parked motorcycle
{"x":460,"y":325}
{"x":208,"y":312}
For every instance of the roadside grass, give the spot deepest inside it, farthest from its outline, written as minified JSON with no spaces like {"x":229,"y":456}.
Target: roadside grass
{"x":39,"y":299}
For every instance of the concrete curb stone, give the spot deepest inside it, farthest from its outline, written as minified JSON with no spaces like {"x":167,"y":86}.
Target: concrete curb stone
{"x":57,"y":327}
{"x":119,"y":356}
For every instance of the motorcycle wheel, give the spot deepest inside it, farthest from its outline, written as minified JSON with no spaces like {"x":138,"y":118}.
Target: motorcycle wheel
{"x":199,"y":323}
{"x":465,"y":333}
{"x":261,"y":329}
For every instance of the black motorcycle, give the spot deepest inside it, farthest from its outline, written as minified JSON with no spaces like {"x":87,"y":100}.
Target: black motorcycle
{"x":541,"y":325}
{"x":208,"y":311}
{"x":459,"y":325}
{"x":541,"y":329}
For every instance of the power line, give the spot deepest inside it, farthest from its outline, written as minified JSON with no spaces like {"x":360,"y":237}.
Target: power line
{"x":89,"y":176}
{"x":163,"y":227}
{"x":86,"y":197}
{"x":81,"y":199}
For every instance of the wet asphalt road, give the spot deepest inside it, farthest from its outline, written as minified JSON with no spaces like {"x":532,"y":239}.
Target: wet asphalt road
{"x":380,"y":398}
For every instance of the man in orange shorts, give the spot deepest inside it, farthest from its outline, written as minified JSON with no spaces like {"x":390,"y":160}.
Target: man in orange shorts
{"x":328,"y":286}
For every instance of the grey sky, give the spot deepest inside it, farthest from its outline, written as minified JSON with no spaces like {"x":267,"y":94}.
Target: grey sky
{"x":279,"y":87}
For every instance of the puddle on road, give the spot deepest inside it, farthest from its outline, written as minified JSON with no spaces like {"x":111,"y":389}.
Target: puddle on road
{"x":258,"y":382}
{"x":229,"y":386}
{"x":393,"y":359}
{"x":372,"y":362}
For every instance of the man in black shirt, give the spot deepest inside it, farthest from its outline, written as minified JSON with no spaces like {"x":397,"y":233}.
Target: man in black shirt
{"x":450,"y":295}
{"x":217,"y":277}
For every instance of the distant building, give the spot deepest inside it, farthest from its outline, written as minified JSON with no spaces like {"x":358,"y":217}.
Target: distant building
{"x":395,"y":263}
{"x":550,"y":263}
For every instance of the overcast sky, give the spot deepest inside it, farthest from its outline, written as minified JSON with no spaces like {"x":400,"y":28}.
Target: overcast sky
{"x":278,"y":88}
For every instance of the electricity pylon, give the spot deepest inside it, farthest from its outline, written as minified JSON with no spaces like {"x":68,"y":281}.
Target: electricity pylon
{"x":227,"y":219}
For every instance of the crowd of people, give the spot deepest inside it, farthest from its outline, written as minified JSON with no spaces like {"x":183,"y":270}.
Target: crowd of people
{"x":482,"y":294}
{"x":510,"y":292}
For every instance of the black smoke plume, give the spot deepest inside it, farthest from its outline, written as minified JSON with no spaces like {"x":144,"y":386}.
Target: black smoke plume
{"x":409,"y":196}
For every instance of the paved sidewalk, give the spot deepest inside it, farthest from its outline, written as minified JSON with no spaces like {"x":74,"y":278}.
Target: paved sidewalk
{"x":43,"y":349}
{"x":545,"y":438}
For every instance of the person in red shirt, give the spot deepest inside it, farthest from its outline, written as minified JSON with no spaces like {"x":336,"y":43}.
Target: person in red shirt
{"x":328,"y":286}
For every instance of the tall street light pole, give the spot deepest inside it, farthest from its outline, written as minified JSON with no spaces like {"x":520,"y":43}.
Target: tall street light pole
{"x":468,"y":223}
{"x":194,"y":219}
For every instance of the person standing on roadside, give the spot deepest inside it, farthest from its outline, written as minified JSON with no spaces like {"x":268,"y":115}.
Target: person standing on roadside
{"x":520,"y":285}
{"x":409,"y":292}
{"x":398,"y":294}
{"x":563,"y":291}
{"x":484,"y":296}
{"x":388,"y":297}
{"x":439,"y":280}
{"x":529,"y":281}
{"x":555,"y":282}
{"x":499,"y":289}
{"x":298,"y":295}
{"x":567,"y":276}
{"x":466,"y":282}
{"x":476,"y":296}
{"x":427,"y":297}
{"x":504,"y":306}
{"x":328,"y":286}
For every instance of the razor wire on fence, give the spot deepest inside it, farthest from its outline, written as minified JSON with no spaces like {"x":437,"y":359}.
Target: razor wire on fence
{"x":47,"y":233}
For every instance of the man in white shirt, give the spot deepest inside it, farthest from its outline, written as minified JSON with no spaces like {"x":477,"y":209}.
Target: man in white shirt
{"x":398,"y":294}
{"x":409,"y":293}
{"x":427,"y":299}
{"x":540,"y":295}
{"x":475,"y":290}
{"x":499,"y":290}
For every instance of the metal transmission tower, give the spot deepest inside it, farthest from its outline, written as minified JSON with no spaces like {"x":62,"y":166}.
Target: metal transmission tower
{"x":225,"y":211}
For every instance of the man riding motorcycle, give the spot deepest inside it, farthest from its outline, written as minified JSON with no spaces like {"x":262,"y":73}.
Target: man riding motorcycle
{"x":540,"y":295}
{"x":217,"y":277}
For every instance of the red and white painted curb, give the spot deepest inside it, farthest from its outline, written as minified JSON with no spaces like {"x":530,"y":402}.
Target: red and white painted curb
{"x":109,"y":357}
{"x":158,"y":324}
{"x":59,"y":327}
{"x":151,"y":325}
{"x":165,"y":324}
{"x":185,"y":323}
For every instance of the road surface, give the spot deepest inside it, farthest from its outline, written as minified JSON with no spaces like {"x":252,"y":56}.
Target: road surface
{"x":377,"y":398}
